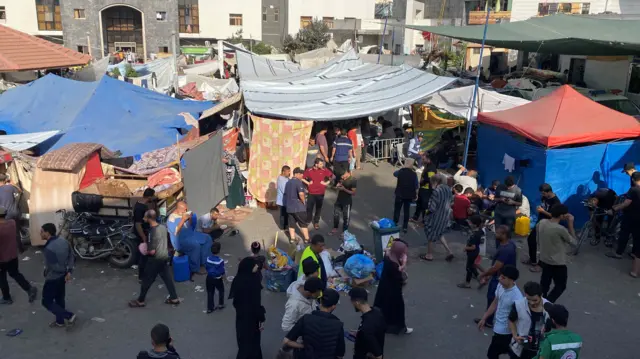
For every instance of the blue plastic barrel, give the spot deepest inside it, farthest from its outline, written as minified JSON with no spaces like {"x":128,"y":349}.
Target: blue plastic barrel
{"x":181,"y":272}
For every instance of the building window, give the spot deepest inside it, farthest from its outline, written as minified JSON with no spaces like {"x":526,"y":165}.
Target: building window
{"x":49,"y":15}
{"x":328,"y":21}
{"x":305,"y":21}
{"x":78,"y":13}
{"x":586,"y":8}
{"x":83,"y":49}
{"x":188,"y":16}
{"x":3,"y":14}
{"x":564,"y":8}
{"x":264,"y":13}
{"x":163,"y":49}
{"x":276,"y":14}
{"x":235,"y":19}
{"x":161,"y":15}
{"x":476,"y":51}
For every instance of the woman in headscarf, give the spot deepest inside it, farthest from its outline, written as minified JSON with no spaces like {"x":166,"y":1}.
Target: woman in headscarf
{"x":389,"y":295}
{"x":250,"y":314}
{"x":437,"y":217}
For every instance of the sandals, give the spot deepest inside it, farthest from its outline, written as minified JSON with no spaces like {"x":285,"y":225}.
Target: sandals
{"x":425,"y":258}
{"x":633,"y":275}
{"x":170,"y":301}
{"x":535,"y":269}
{"x":136,"y":304}
{"x":464,"y":285}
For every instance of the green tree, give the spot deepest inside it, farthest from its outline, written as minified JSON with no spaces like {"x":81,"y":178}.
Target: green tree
{"x":313,"y":36}
{"x":236,"y":38}
{"x":129,"y":71}
{"x":261,"y":48}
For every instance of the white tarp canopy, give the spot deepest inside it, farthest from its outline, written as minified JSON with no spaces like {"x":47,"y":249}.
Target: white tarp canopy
{"x":458,"y":101}
{"x":25,"y":141}
{"x":343,"y":88}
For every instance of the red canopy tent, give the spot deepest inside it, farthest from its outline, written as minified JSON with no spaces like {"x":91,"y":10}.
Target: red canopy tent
{"x":564,"y":117}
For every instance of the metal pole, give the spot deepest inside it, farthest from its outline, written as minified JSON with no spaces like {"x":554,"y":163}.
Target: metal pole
{"x":393,"y":49}
{"x":221,"y":58}
{"x":174,"y":57}
{"x":384,"y":32}
{"x":475,"y":92}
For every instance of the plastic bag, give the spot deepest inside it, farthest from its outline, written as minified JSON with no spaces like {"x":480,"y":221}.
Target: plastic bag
{"x":386,"y":223}
{"x":279,"y":258}
{"x":350,"y":243}
{"x":328,"y":267}
{"x":379,"y":268}
{"x":359,"y":266}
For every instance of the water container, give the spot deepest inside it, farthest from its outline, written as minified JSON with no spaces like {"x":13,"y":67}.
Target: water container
{"x":181,"y":272}
{"x":523,"y":226}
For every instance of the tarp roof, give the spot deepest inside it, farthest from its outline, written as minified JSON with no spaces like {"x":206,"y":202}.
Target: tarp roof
{"x":564,"y":117}
{"x":343,"y":88}
{"x":25,"y":141}
{"x":114,"y":113}
{"x":458,"y":101}
{"x":562,"y":34}
{"x":22,"y":52}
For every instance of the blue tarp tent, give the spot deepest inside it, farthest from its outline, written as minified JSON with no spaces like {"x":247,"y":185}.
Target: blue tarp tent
{"x":563,"y":139}
{"x":118,"y":115}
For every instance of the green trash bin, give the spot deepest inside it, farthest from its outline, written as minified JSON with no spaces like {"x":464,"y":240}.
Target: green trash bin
{"x":381,"y":239}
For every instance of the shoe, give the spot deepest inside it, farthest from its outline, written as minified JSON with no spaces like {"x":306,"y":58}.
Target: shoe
{"x":613,"y":255}
{"x":209,"y":311}
{"x":408,"y":330}
{"x":6,"y":301}
{"x":55,"y":324}
{"x":404,"y":230}
{"x":220,"y":307}
{"x":71,"y":321}
{"x":33,"y":293}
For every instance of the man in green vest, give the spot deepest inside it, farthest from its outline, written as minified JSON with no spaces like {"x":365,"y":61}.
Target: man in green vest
{"x":313,"y":251}
{"x":559,"y":343}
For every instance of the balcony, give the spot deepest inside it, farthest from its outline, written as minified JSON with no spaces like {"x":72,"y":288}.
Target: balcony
{"x":495,"y":17}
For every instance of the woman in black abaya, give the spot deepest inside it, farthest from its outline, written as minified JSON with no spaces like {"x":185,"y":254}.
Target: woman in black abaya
{"x":389,"y":295}
{"x":250,"y":314}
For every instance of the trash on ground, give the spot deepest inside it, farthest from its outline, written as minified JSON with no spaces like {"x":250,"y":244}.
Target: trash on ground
{"x":14,"y":332}
{"x":98,"y":319}
{"x":455,"y":316}
{"x":25,"y":259}
{"x":613,"y":302}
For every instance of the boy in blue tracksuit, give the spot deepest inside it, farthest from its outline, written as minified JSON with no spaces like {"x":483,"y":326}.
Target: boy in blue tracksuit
{"x":215,"y":274}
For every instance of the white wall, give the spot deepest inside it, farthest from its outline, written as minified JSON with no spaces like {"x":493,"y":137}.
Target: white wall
{"x":338,"y":9}
{"x":601,"y":75}
{"x":524,"y":9}
{"x":22,"y":16}
{"x":214,"y":19}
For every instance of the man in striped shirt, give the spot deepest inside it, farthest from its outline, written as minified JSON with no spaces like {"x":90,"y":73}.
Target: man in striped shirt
{"x":559,"y":343}
{"x":341,"y":154}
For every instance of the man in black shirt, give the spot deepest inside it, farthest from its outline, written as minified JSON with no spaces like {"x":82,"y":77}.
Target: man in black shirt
{"x":630,"y":169}
{"x":346,"y":190}
{"x":548,"y":200}
{"x":369,"y":338}
{"x":322,"y":332}
{"x":630,"y":224}
{"x":140,"y":227}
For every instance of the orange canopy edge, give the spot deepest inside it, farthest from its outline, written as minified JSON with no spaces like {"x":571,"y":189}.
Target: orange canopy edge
{"x":564,"y":117}
{"x":23,"y":52}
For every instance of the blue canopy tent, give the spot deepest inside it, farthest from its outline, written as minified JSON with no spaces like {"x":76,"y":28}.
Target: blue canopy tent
{"x":116,"y":114}
{"x":564,"y":139}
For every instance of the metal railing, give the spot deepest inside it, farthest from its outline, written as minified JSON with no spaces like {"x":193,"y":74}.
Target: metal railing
{"x":383,"y":150}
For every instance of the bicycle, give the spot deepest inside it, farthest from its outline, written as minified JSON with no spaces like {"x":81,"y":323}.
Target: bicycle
{"x":610,"y":233}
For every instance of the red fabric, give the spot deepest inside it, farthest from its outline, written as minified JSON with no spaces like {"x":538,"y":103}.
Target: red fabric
{"x":317,"y":176}
{"x":92,"y":171}
{"x":230,"y":139}
{"x":353,"y":136}
{"x":461,"y":205}
{"x":8,"y":243}
{"x":564,"y":117}
{"x":5,"y":157}
{"x":164,"y":176}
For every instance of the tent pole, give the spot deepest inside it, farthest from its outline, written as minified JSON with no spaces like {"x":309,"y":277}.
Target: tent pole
{"x":384,"y":32}
{"x":393,"y":35}
{"x":475,"y":92}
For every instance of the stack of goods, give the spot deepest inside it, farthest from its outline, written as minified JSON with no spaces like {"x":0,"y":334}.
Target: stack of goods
{"x":280,"y":271}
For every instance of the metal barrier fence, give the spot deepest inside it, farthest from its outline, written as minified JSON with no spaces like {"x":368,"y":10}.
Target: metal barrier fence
{"x":384,"y":150}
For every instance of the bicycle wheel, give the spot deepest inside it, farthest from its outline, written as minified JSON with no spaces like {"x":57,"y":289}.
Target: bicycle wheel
{"x":584,"y":235}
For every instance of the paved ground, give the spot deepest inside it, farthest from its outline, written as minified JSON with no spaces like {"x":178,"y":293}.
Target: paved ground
{"x":604,"y":302}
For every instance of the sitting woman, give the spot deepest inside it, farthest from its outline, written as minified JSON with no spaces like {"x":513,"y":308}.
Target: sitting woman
{"x":186,"y":240}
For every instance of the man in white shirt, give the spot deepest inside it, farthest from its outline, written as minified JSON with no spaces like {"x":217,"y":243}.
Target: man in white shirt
{"x":207,"y":224}
{"x":467,"y":181}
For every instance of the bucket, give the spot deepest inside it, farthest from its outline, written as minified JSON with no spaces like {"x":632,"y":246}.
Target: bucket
{"x":181,"y":272}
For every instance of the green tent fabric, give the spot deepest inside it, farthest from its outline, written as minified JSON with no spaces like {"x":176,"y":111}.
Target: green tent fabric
{"x":561,"y":34}
{"x":236,"y":193}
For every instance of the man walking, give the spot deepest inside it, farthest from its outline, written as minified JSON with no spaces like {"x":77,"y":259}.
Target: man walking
{"x":9,"y":201}
{"x":58,"y":266}
{"x":554,"y":240}
{"x":526,"y":322}
{"x":560,"y":342}
{"x":346,"y":190}
{"x":549,"y":200}
{"x":630,"y":224}
{"x":323,"y":145}
{"x":318,"y":177}
{"x":341,"y":154}
{"x":9,"y":261}
{"x":140,"y":228}
{"x":281,"y":184}
{"x":369,"y":338}
{"x":294,"y":201}
{"x":405,"y":193}
{"x":157,"y":263}
{"x":322,"y":333}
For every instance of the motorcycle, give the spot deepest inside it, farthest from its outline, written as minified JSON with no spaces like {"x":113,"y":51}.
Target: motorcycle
{"x":95,"y":237}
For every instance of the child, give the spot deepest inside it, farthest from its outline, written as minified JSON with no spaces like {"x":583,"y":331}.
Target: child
{"x":461,"y":206}
{"x":162,"y":347}
{"x":473,"y":250}
{"x":215,"y":274}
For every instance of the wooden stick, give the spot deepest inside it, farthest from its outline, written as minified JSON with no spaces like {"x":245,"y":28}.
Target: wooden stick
{"x":275,"y":242}
{"x":179,"y":156}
